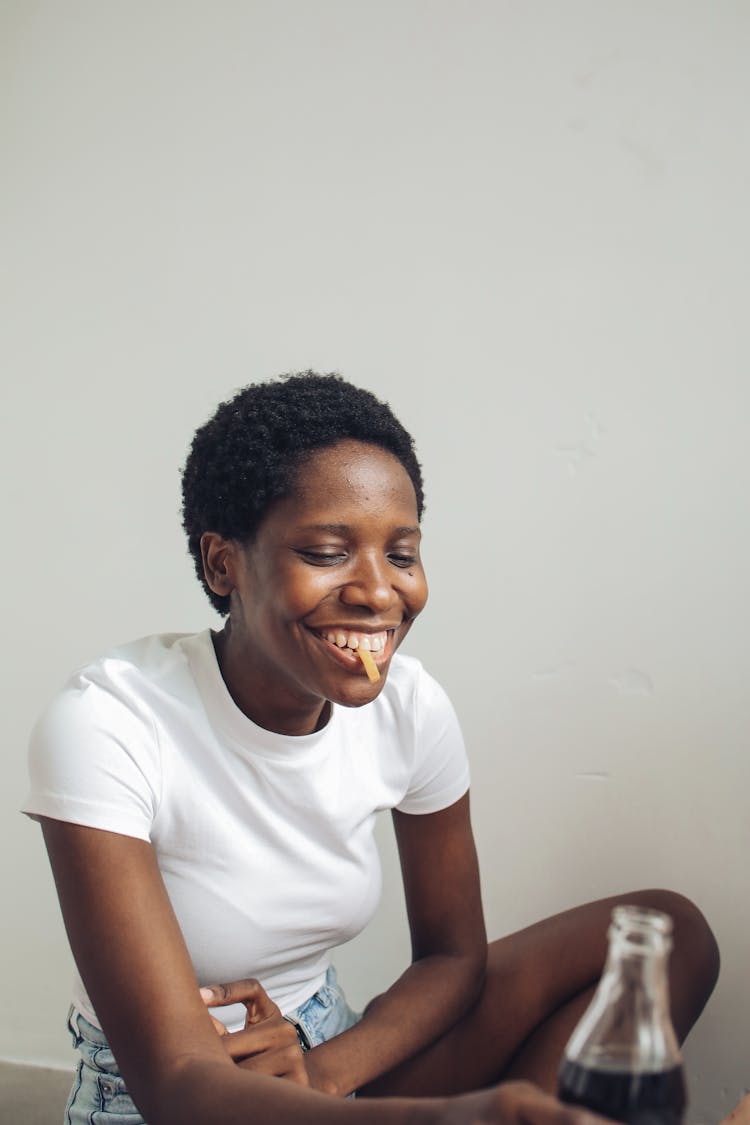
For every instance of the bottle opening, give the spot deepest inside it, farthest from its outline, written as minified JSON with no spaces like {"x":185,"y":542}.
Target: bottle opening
{"x":641,"y":919}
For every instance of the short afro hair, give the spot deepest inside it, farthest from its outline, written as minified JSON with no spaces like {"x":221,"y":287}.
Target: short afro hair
{"x":246,"y":456}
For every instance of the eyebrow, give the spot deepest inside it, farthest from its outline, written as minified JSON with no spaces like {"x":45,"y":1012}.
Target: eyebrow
{"x":343,"y":528}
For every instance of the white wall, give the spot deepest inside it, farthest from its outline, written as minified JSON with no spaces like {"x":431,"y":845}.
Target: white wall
{"x":526,"y":225}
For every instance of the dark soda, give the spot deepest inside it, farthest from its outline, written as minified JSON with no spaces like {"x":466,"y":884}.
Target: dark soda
{"x":646,"y":1098}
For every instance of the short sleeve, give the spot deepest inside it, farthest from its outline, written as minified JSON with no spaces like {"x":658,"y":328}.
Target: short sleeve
{"x":440,"y":772}
{"x":93,"y":760}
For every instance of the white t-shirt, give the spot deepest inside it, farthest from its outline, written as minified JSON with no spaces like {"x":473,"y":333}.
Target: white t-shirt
{"x":264,"y":841}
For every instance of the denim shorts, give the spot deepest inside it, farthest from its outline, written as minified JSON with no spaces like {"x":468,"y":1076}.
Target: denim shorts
{"x":99,"y":1095}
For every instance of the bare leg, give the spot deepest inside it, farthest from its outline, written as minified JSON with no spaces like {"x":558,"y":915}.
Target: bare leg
{"x":538,"y":982}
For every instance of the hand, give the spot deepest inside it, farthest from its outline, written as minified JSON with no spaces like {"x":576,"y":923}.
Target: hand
{"x":268,"y":1043}
{"x":514,"y":1103}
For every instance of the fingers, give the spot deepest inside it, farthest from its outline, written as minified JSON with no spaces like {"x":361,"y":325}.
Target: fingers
{"x":523,"y":1102}
{"x":289,"y":1062}
{"x":517,"y":1103}
{"x":249,"y":992}
{"x":268,"y":1043}
{"x":219,"y":1027}
{"x":270,"y":1047}
{"x":273,"y":1034}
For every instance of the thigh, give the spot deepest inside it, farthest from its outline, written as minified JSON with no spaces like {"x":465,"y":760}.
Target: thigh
{"x":544,"y":970}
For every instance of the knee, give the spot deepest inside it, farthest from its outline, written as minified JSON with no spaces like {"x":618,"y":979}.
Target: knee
{"x":694,"y":943}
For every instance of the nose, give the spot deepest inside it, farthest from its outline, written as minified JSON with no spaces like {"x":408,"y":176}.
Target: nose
{"x":369,"y":586}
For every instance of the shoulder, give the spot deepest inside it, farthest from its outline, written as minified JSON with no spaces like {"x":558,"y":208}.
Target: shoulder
{"x":157,"y":659}
{"x":116,"y":689}
{"x":410,"y":689}
{"x":95,"y":753}
{"x":413,"y":706}
{"x":415,"y":710}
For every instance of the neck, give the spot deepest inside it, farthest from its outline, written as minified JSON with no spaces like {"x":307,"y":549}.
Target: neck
{"x":256,"y":699}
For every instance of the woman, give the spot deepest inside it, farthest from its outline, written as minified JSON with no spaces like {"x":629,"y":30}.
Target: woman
{"x":208,"y":805}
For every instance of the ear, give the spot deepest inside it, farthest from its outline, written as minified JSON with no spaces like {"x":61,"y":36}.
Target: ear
{"x":219,"y":562}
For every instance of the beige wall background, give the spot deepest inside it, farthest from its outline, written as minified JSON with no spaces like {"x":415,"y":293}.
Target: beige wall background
{"x":524,"y":224}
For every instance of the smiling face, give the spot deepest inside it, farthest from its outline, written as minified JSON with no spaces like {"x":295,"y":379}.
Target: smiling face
{"x":333,"y":567}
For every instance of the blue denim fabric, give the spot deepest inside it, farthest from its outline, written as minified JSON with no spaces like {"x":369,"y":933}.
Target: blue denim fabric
{"x":99,"y":1095}
{"x":325,"y":1014}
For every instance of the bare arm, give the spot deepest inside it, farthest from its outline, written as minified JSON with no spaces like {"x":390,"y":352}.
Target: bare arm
{"x":449,"y":951}
{"x":127,"y":944}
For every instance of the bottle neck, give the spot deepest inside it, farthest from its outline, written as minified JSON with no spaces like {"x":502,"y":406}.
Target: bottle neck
{"x":638,"y":977}
{"x":628,"y":1024}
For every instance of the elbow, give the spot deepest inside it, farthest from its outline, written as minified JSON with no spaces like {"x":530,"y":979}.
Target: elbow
{"x":177,"y":1094}
{"x":470,"y":974}
{"x":477,"y":972}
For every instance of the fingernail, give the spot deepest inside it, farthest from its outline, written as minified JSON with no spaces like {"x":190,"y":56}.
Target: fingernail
{"x":207,"y":994}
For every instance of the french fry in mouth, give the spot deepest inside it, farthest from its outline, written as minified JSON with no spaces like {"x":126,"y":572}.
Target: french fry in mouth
{"x":370,"y":667}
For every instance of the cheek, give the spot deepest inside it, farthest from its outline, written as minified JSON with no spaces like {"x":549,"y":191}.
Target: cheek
{"x":418,"y":593}
{"x":306,"y":593}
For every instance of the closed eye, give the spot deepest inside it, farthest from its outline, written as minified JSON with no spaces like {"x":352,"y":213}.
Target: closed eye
{"x":322,"y":558}
{"x":403,"y":560}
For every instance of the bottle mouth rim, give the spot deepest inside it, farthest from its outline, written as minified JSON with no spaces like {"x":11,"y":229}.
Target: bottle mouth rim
{"x":641,"y":919}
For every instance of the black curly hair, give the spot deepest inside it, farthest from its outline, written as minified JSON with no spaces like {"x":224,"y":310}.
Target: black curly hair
{"x":247,"y":455}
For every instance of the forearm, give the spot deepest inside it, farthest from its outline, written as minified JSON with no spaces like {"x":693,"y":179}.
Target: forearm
{"x":206,"y":1091}
{"x":431,"y":996}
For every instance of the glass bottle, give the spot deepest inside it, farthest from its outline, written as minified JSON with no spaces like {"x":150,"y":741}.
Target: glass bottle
{"x":623,"y":1060}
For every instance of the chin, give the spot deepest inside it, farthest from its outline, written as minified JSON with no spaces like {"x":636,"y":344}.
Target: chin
{"x":358,"y":695}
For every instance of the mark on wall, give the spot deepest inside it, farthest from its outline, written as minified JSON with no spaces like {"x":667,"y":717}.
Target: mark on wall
{"x":632,"y":682}
{"x":643,"y":156}
{"x":577,"y":452}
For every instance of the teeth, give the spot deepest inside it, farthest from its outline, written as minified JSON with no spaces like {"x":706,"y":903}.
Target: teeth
{"x":369,"y":642}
